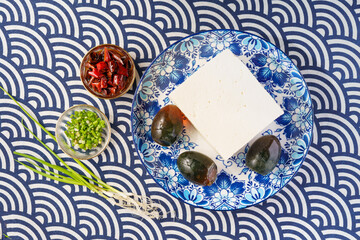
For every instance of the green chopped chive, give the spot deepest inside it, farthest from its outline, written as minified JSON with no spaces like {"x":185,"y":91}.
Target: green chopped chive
{"x":6,"y":236}
{"x":84,"y":129}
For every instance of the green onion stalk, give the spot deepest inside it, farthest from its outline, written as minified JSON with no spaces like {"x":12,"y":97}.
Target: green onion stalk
{"x":142,"y":205}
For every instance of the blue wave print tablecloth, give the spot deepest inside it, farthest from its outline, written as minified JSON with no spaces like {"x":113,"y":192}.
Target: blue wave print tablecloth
{"x":41,"y":46}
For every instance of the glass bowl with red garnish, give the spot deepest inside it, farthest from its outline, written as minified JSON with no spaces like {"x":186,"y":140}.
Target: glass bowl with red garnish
{"x":107,"y":71}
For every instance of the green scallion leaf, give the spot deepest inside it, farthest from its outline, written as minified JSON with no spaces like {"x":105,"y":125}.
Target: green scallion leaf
{"x":140,"y":204}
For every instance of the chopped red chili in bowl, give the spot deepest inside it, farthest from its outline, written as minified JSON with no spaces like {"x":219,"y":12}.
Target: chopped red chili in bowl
{"x":107,"y":71}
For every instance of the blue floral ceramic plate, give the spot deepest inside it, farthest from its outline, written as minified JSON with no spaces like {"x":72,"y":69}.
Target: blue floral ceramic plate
{"x":236,"y":186}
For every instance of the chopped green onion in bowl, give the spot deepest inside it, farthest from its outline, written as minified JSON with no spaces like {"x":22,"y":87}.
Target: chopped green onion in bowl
{"x":84,"y":129}
{"x":83,"y":132}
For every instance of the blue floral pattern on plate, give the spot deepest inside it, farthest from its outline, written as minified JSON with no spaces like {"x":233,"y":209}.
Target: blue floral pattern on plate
{"x":236,"y":186}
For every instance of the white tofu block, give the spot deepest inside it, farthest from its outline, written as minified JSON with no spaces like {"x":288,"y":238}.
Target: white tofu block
{"x":226,"y":103}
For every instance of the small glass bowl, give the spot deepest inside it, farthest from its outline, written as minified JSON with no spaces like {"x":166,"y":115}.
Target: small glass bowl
{"x":123,"y":54}
{"x":65,"y":143}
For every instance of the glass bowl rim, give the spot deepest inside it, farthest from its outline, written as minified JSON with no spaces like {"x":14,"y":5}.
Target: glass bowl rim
{"x":107,"y":140}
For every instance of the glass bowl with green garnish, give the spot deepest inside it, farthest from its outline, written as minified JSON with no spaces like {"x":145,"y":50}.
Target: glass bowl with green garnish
{"x":83,"y":132}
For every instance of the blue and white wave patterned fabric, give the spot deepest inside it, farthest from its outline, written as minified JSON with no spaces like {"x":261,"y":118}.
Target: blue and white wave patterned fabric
{"x":41,"y":47}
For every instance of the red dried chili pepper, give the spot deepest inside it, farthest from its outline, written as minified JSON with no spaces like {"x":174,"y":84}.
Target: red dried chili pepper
{"x":101,"y":66}
{"x":96,"y":86}
{"x":89,"y":65}
{"x":118,"y":58}
{"x":107,"y":56}
{"x":117,"y":79}
{"x":91,"y":80}
{"x":95,"y":73}
{"x":103,"y":82}
{"x":123,"y":71}
{"x":113,"y":90}
{"x":112,"y":66}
